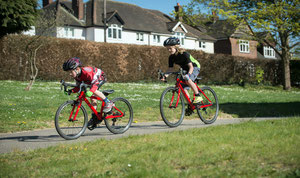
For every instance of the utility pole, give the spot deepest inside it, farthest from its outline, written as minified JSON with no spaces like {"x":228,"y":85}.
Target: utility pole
{"x":104,"y":16}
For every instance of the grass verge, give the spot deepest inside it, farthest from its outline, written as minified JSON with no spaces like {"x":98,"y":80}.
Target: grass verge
{"x":26,"y":110}
{"x":251,"y":149}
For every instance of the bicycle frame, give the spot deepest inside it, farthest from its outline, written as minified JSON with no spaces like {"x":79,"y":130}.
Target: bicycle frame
{"x":192,"y":106}
{"x":82,"y":97}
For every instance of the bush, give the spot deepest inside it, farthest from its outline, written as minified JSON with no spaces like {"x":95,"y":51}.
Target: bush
{"x":127,"y":63}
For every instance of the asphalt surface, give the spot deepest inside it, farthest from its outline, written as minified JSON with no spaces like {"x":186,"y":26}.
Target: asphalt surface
{"x":30,"y":140}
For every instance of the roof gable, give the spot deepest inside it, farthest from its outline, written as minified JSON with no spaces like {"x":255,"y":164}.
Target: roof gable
{"x":179,"y":27}
{"x":114,"y":18}
{"x":131,"y":17}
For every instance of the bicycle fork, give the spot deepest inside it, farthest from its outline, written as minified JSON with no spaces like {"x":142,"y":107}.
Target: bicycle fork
{"x":78,"y":104}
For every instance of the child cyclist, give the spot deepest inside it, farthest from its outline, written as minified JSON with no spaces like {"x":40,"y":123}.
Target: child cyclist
{"x":186,"y":62}
{"x":92,"y":76}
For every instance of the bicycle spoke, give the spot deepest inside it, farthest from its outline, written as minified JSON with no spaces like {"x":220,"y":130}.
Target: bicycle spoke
{"x":123,"y":116}
{"x":208,"y":110}
{"x":172,"y":107}
{"x":70,"y":128}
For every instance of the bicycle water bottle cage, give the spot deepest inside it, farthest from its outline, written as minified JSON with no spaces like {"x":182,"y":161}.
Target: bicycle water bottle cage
{"x":76,"y":103}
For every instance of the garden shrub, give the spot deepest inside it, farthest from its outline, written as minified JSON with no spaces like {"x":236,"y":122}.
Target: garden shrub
{"x":129,"y":63}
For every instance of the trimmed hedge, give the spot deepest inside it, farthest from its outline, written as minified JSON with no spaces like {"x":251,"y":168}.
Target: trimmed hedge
{"x":125,"y":63}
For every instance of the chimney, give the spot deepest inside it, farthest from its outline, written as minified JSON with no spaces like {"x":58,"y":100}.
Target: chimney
{"x":77,"y":6}
{"x":94,"y":7}
{"x":46,"y":2}
{"x":215,"y":17}
{"x":178,"y":10}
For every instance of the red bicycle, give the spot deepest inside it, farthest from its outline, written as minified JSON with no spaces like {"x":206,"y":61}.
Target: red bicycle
{"x":71,"y":117}
{"x":172,"y":105}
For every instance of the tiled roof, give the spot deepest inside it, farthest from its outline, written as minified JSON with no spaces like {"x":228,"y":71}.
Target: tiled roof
{"x":220,"y":29}
{"x":134,"y":17}
{"x":63,"y":9}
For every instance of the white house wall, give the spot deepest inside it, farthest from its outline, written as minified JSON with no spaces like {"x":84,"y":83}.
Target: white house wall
{"x":30,"y":32}
{"x":130,"y":37}
{"x":90,"y":34}
{"x":79,"y":33}
{"x":209,"y":47}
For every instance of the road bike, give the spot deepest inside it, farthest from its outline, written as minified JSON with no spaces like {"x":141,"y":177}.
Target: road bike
{"x":172,"y":103}
{"x":71,"y":118}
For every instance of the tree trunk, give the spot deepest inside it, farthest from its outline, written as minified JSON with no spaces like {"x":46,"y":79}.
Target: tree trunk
{"x":33,"y":68}
{"x":286,"y":70}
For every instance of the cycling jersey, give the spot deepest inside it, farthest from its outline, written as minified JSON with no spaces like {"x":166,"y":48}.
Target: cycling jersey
{"x":91,"y":76}
{"x":182,"y":60}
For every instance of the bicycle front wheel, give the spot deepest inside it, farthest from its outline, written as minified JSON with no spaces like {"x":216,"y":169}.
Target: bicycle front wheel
{"x":209,"y":113}
{"x":118,"y":125}
{"x":70,"y":128}
{"x":172,"y":107}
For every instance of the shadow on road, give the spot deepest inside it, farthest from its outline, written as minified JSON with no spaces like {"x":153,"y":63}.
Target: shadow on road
{"x":262,"y":109}
{"x":33,"y":138}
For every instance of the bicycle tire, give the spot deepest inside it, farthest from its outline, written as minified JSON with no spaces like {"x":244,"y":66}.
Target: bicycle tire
{"x":120,"y":125}
{"x":209,"y":114}
{"x":172,"y":116}
{"x":70,"y":130}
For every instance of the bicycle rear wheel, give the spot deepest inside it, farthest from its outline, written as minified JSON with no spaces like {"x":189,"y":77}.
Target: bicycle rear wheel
{"x":70,"y":128}
{"x":208,"y":114}
{"x":171,"y":112}
{"x":119,"y":125}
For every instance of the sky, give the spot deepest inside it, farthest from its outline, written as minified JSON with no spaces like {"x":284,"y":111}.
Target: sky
{"x":165,"y":6}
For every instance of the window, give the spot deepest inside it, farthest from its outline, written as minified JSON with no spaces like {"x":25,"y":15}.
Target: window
{"x":244,"y":46}
{"x":114,"y":31}
{"x":269,"y":52}
{"x":156,"y":38}
{"x":69,"y":32}
{"x":202,"y":44}
{"x":180,"y":36}
{"x":139,"y":36}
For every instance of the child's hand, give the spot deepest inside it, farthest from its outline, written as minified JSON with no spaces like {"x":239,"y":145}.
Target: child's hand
{"x":187,"y":77}
{"x":68,"y":92}
{"x":88,"y":94}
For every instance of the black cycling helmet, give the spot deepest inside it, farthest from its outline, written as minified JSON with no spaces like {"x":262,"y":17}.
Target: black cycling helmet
{"x":72,"y":64}
{"x":172,"y":41}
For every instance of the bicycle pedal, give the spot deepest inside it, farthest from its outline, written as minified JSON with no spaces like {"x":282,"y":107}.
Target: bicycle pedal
{"x":92,"y":127}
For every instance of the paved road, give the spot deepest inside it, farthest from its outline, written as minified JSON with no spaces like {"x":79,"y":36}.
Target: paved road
{"x":24,"y":141}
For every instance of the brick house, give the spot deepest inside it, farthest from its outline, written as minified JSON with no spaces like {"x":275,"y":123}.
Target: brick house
{"x":237,"y":40}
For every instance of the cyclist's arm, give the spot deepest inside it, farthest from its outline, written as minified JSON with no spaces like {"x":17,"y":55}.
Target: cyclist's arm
{"x":169,"y":71}
{"x":76,"y":89}
{"x":191,"y":68}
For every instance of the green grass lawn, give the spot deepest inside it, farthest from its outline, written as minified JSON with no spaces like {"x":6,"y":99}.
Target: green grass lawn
{"x":250,"y":149}
{"x":26,"y":110}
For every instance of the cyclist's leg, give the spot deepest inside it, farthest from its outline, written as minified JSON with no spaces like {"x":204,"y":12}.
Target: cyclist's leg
{"x":191,"y":83}
{"x":99,"y":94}
{"x":186,"y":91}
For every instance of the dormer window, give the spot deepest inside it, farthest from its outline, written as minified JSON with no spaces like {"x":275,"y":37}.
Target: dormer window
{"x":244,"y":46}
{"x":180,"y":36}
{"x":114,"y":31}
{"x":269,"y":52}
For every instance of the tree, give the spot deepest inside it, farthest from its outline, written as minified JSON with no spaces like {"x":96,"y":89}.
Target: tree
{"x":280,"y":18}
{"x":17,"y":15}
{"x":46,"y":25}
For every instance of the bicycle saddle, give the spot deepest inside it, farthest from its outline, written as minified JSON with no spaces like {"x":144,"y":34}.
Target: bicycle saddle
{"x":107,"y":92}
